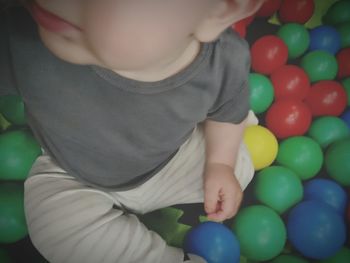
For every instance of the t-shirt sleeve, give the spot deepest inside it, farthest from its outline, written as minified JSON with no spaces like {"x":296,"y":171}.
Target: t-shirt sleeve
{"x":7,"y":81}
{"x":234,"y":110}
{"x":232,"y":103}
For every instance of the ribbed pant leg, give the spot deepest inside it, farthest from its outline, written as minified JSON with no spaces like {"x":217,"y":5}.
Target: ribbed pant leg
{"x":69,"y":222}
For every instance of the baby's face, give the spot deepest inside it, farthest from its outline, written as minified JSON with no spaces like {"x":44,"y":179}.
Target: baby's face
{"x":119,"y":34}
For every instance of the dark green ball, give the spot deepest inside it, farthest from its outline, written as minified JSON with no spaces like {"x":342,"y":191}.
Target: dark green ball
{"x":13,"y":225}
{"x":320,"y":65}
{"x":18,"y":151}
{"x":296,"y":37}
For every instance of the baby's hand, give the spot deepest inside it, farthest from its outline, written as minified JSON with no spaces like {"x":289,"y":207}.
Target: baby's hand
{"x":222,"y":192}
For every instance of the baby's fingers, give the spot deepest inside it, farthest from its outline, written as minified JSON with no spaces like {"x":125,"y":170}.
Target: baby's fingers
{"x":231,"y":203}
{"x":211,"y":199}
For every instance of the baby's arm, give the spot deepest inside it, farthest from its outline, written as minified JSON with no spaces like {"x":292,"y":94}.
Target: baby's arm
{"x":222,"y":192}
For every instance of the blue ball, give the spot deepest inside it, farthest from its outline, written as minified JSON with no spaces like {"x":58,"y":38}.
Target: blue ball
{"x":315,"y":229}
{"x":325,"y":38}
{"x":326,"y":191}
{"x":346,"y":117}
{"x":214,"y":242}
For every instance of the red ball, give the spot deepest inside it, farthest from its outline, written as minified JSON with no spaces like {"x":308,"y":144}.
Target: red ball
{"x":241,"y":26}
{"x":296,"y":11}
{"x":288,"y":117}
{"x":343,"y":58}
{"x":290,"y":81}
{"x":268,"y":54}
{"x":326,"y":97}
{"x":268,"y":8}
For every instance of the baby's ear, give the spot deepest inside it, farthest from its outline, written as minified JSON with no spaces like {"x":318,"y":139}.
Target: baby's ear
{"x":224,"y":14}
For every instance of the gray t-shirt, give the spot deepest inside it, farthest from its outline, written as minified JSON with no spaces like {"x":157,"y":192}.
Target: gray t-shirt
{"x":109,"y":131}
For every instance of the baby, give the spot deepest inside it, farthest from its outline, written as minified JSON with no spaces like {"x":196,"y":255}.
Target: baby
{"x":138,"y":105}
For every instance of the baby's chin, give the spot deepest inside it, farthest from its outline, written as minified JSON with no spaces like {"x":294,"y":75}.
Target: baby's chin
{"x":69,"y":49}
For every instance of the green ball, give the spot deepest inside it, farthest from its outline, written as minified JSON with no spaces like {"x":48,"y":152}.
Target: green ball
{"x":18,"y":151}
{"x":338,"y":161}
{"x":12,"y":108}
{"x":342,"y":256}
{"x":344,"y":31}
{"x":338,"y":13}
{"x":320,"y":65}
{"x":346,"y":85}
{"x":328,"y":129}
{"x":278,"y":187}
{"x":302,"y":155}
{"x":296,"y":37}
{"x":13,"y":225}
{"x":260,"y":231}
{"x":288,"y":259}
{"x":261,"y":92}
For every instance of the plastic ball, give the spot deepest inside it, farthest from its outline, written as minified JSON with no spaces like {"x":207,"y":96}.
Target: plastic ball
{"x":288,"y":259}
{"x":261,"y":92}
{"x":344,"y":31}
{"x":342,"y":256}
{"x":288,"y":117}
{"x":296,"y":37}
{"x":337,"y":161}
{"x":325,"y":38}
{"x":297,"y":11}
{"x":328,"y":192}
{"x":326,"y":98}
{"x":328,"y":129}
{"x":315,"y":229}
{"x":12,"y":108}
{"x":260,"y":232}
{"x":268,"y":53}
{"x":320,"y":65}
{"x":290,"y":81}
{"x":346,"y":117}
{"x":241,"y":26}
{"x":214,"y":242}
{"x":278,"y":187}
{"x":346,"y":86}
{"x":268,"y":8}
{"x":262,"y":146}
{"x":343,"y":59}
{"x":18,"y":151}
{"x":302,"y":155}
{"x":338,"y":13}
{"x":12,"y":220}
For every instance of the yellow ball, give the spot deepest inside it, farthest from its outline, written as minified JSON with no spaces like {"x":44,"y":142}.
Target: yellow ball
{"x":262,"y":146}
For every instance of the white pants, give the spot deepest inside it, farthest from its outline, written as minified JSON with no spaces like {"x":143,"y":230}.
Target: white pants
{"x":70,"y":222}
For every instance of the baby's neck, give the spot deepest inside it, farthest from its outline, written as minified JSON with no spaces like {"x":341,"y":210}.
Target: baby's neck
{"x":167,"y":68}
